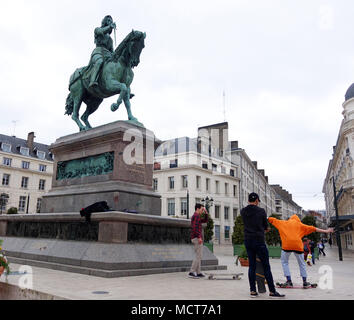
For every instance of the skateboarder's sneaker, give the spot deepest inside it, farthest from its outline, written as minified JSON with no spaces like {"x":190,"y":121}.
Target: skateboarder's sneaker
{"x":306,"y":285}
{"x":288,"y":284}
{"x":254,"y":294}
{"x":201,"y":275}
{"x":276,"y":294}
{"x":193,"y":275}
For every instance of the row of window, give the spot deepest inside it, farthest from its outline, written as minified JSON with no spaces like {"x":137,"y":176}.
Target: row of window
{"x":184,"y":184}
{"x":25,"y":164}
{"x":171,"y":209}
{"x":214,"y":167}
{"x":23,"y":150}
{"x":23,"y":205}
{"x":24,"y":182}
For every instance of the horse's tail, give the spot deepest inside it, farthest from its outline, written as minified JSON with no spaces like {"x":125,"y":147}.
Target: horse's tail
{"x":69,"y":107}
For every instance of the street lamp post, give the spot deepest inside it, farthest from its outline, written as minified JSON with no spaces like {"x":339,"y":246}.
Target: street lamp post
{"x":28,"y":200}
{"x":187,"y":204}
{"x":207,"y":202}
{"x":339,"y":242}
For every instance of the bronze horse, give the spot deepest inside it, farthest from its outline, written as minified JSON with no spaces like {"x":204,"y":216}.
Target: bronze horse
{"x":116,"y":78}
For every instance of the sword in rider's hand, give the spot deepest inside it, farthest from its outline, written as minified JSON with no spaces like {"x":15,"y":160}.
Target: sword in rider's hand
{"x":115,"y":36}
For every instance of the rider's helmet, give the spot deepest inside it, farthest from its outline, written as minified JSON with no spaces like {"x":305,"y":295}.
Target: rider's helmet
{"x":107,"y":20}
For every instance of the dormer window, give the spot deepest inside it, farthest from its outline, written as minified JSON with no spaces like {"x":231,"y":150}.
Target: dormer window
{"x":6,"y":147}
{"x":41,"y":154}
{"x":24,"y":151}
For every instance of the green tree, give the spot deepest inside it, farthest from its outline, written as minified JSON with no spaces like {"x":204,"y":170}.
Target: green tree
{"x":209,"y":230}
{"x":273,"y":237}
{"x":311,"y":221}
{"x":238,"y":234}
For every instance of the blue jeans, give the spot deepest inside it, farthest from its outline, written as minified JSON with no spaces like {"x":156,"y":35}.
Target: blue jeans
{"x":300,"y":260}
{"x":258,"y":248}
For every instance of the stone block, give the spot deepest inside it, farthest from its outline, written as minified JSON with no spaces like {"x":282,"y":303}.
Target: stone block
{"x":113,"y":232}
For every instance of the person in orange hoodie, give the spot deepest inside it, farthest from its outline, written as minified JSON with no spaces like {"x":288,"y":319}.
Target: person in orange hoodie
{"x":291,"y":233}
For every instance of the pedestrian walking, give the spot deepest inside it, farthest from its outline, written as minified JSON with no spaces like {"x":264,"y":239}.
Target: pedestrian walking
{"x":307,"y":250}
{"x":200,"y":216}
{"x":291,"y":232}
{"x":312,"y":248}
{"x":330,"y":242}
{"x":255,"y":225}
{"x":321,"y":247}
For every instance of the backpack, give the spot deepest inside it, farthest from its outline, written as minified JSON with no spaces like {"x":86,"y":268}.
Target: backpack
{"x":96,"y":207}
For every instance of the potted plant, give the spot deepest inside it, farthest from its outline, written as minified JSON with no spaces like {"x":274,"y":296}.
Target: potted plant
{"x":4,"y":264}
{"x":243,"y":257}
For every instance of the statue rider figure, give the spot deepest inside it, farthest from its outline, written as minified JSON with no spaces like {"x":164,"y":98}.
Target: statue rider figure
{"x":103,"y":50}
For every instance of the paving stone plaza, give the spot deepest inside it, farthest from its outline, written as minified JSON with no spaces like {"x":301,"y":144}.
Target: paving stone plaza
{"x":335,"y":277}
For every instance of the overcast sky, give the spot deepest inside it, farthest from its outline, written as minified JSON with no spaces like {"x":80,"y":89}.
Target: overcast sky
{"x":284,"y":66}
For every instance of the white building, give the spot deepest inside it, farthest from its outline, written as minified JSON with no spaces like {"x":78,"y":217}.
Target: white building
{"x":26,"y":170}
{"x":341,"y":172}
{"x":187,"y":170}
{"x":183,"y":176}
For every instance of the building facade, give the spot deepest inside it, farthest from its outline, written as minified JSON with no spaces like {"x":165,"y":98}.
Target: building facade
{"x":26,"y":170}
{"x":339,"y":181}
{"x":252,"y":180}
{"x":187,"y":170}
{"x":284,"y":204}
{"x":184,"y":174}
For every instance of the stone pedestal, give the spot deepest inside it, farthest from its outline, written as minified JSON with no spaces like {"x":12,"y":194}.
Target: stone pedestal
{"x":112,"y":163}
{"x":114,"y":244}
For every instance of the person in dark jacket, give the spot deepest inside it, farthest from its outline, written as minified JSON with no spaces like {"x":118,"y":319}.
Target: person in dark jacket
{"x":255,"y":224}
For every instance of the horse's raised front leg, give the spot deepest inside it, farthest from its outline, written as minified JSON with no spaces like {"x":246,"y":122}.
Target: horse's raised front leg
{"x":123,"y":92}
{"x":128,"y":106}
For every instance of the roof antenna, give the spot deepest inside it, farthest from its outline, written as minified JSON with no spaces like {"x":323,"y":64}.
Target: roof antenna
{"x":14,"y":122}
{"x":224,"y":104}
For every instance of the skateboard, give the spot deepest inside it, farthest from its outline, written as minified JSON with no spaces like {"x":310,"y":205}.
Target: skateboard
{"x":284,"y":286}
{"x":260,"y":279}
{"x":224,"y":276}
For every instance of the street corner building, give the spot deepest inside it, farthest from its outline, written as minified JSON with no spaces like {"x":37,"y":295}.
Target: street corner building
{"x":338,"y":186}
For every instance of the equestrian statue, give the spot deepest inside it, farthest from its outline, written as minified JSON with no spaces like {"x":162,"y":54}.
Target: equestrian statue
{"x":108,"y":73}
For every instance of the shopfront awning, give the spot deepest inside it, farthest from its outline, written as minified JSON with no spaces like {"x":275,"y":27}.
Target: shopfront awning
{"x":343,"y":221}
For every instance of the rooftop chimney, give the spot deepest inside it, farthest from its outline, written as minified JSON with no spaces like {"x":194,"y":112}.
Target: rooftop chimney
{"x":30,"y":140}
{"x":234,"y":145}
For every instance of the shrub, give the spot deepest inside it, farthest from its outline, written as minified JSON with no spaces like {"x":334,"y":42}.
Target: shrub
{"x":12,"y":210}
{"x":273,"y":237}
{"x":243,"y":253}
{"x":238,"y":234}
{"x":209,"y":230}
